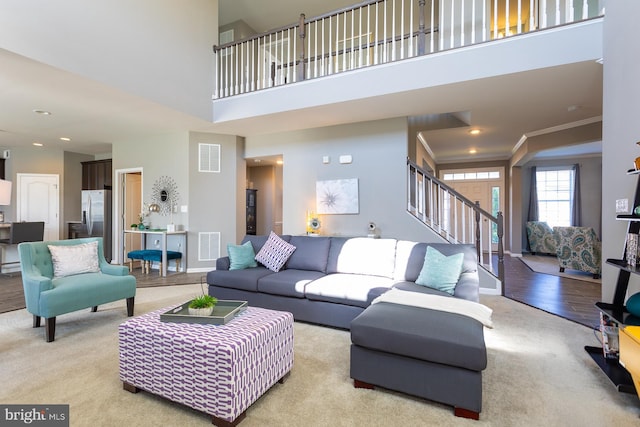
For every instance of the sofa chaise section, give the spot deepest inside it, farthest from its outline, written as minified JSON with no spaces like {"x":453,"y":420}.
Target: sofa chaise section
{"x":431,"y":354}
{"x":335,"y":281}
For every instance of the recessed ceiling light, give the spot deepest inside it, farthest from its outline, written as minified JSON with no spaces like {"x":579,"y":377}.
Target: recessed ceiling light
{"x":43,"y":112}
{"x":64,"y":138}
{"x":279,"y":162}
{"x":474,"y":132}
{"x":38,"y":144}
{"x":472,"y":151}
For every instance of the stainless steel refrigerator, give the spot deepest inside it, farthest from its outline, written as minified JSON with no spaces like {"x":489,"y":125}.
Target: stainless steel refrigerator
{"x":96,"y":217}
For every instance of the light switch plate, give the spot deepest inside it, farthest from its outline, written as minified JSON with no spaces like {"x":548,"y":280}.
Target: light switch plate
{"x":622,"y":205}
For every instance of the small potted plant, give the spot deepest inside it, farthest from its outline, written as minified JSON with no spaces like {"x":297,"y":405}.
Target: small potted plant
{"x":134,"y":226}
{"x":202,"y":305}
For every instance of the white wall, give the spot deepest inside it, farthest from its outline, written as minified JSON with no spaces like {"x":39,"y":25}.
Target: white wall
{"x":621,"y":129}
{"x":379,"y":152}
{"x":149,"y":48}
{"x":216,"y":200}
{"x":157,"y":155}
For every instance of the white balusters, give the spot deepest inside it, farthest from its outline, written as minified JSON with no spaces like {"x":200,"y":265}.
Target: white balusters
{"x":379,"y":31}
{"x":532,"y":22}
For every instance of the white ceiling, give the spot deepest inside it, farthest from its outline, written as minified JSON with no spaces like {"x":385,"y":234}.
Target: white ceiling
{"x":94,"y":116}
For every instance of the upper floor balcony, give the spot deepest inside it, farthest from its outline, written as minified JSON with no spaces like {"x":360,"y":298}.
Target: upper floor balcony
{"x":378,"y":49}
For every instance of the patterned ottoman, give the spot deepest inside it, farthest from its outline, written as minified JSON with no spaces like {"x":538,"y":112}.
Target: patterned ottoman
{"x":220,"y":370}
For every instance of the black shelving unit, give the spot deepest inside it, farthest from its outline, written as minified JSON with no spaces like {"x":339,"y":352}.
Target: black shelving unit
{"x":619,"y":376}
{"x":617,"y":311}
{"x":252,"y":211}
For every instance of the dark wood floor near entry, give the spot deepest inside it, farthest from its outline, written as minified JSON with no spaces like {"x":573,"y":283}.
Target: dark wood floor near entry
{"x":572,"y":299}
{"x":569,"y":298}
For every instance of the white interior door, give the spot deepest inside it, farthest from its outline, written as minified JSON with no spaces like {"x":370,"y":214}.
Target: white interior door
{"x":37,"y":199}
{"x":127,"y":199}
{"x":132,"y":198}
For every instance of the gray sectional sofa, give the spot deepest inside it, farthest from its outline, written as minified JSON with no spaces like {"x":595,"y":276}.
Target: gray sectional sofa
{"x":332,"y":281}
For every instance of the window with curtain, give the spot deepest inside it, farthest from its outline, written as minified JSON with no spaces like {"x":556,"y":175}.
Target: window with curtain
{"x":555,"y":191}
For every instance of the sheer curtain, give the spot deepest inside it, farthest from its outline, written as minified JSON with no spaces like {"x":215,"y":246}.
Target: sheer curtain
{"x":533,"y":197}
{"x":576,"y":212}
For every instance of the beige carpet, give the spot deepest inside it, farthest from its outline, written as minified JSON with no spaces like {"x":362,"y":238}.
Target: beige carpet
{"x":549,"y":265}
{"x":538,"y":375}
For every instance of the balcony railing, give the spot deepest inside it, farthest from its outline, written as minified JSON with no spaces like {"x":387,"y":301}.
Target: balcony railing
{"x":456,"y":218}
{"x":380,"y":31}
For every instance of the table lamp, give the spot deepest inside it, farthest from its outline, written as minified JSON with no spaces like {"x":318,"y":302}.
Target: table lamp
{"x":5,"y":195}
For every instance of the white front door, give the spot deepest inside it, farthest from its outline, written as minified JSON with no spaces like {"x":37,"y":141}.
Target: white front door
{"x":485,"y":186}
{"x":481,"y":192}
{"x":37,"y":199}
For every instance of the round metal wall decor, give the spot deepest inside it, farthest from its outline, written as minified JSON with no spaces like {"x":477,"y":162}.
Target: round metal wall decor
{"x":165,"y":194}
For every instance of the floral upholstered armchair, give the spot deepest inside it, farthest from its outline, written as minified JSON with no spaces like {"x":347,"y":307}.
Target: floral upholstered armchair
{"x":578,"y":248}
{"x":541,"y":239}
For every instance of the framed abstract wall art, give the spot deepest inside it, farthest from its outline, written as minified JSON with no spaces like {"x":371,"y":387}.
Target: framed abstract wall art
{"x":338,"y":196}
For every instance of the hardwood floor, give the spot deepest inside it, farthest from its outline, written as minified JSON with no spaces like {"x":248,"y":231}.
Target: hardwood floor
{"x":568,"y":298}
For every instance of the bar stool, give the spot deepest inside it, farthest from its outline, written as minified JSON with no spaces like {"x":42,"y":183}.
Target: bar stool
{"x":137,"y":255}
{"x":152,"y":255}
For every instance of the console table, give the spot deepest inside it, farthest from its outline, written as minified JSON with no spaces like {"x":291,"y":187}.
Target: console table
{"x":163,"y":244}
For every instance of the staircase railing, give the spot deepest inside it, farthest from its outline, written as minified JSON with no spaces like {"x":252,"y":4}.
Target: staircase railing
{"x":375,"y":32}
{"x":456,"y":218}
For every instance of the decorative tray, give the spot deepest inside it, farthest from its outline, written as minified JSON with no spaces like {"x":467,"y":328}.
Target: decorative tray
{"x":223,"y":311}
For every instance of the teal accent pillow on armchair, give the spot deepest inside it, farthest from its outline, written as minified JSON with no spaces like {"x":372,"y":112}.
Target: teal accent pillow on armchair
{"x":439,"y":271}
{"x":241,"y":256}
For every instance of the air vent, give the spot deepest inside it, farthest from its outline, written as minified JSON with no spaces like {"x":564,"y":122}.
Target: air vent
{"x":226,"y":36}
{"x":209,"y":158}
{"x":208,"y":246}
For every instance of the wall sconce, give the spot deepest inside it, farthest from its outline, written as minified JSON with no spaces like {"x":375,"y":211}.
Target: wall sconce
{"x":153,"y":207}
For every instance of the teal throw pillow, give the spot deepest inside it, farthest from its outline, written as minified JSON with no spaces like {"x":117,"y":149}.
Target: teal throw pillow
{"x":241,"y":256}
{"x":439,"y":271}
{"x":633,"y":304}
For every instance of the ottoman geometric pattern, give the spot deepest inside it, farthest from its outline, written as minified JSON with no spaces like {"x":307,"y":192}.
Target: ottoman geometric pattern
{"x":220,"y":370}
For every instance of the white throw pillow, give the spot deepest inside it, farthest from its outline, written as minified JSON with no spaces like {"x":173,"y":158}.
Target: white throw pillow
{"x":75,"y":259}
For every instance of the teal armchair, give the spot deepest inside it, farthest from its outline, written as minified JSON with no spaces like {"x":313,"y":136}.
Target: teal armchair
{"x":578,"y":248}
{"x":48,"y":295}
{"x":541,"y":238}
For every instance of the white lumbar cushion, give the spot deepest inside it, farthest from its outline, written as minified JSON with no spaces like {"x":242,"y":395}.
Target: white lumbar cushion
{"x":75,"y":259}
